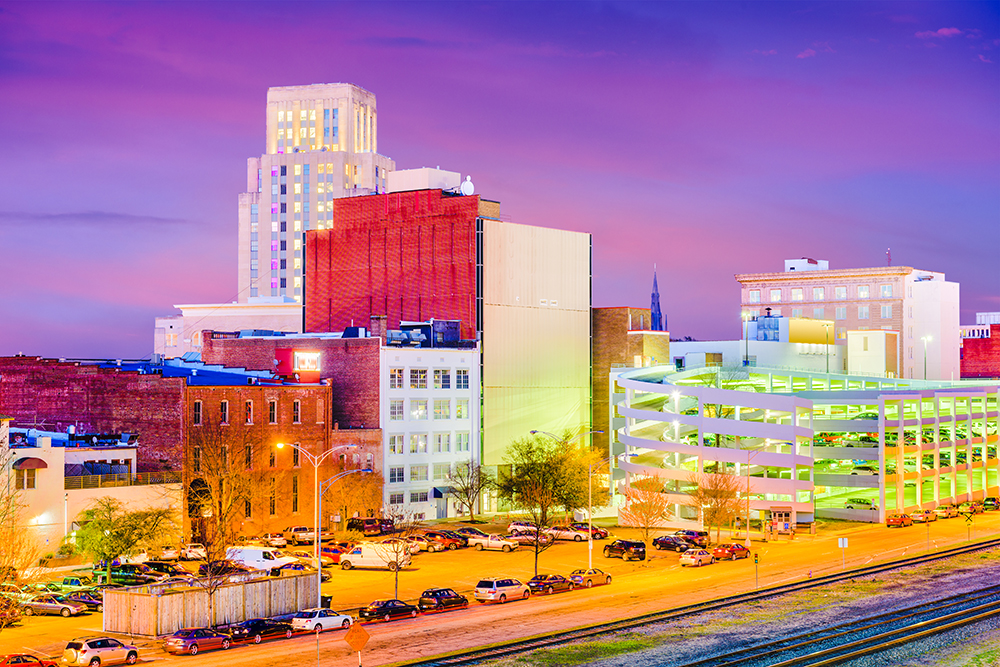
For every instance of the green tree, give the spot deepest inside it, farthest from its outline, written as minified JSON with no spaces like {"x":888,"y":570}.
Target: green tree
{"x":110,"y":530}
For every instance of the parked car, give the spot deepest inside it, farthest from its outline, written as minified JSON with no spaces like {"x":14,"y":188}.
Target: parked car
{"x":193,"y":551}
{"x":522,"y":527}
{"x":566,"y":533}
{"x":76,"y":583}
{"x":626,"y":550}
{"x":193,"y":640}
{"x":367,"y":525}
{"x":386,"y":610}
{"x":672,"y":543}
{"x":256,"y":629}
{"x":696,"y":557}
{"x":49,"y":603}
{"x":859,"y":504}
{"x":374,"y":555}
{"x":923,"y":516}
{"x":428,"y":544}
{"x":297,"y":535}
{"x":991,"y":502}
{"x":167,"y":568}
{"x":500,"y":589}
{"x":317,"y":620}
{"x":441,"y":599}
{"x":24,"y":660}
{"x":696,"y":537}
{"x":93,"y":600}
{"x":395,"y":543}
{"x":946,"y":511}
{"x":309,"y":558}
{"x":276,"y":540}
{"x":588,"y":578}
{"x":898,"y":519}
{"x":731,"y":550}
{"x":44,"y":587}
{"x":218,"y":568}
{"x":550,"y":583}
{"x":529,"y":539}
{"x":865,"y":470}
{"x":462,"y":539}
{"x":167,"y":552}
{"x":16,"y":592}
{"x":493,"y":543}
{"x":469,"y":531}
{"x":99,"y":651}
{"x":971,"y":506}
{"x":595,"y":532}
{"x":450,"y":542}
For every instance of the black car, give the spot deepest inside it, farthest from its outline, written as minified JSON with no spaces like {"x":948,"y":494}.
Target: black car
{"x":168,"y":568}
{"x":672,"y":543}
{"x":257,"y":629}
{"x":387,"y":610}
{"x":218,"y":568}
{"x":550,"y":583}
{"x":469,"y":531}
{"x":595,"y":532}
{"x":696,"y":537}
{"x":626,"y":550}
{"x":440,"y":599}
{"x":93,"y":599}
{"x":990,"y":503}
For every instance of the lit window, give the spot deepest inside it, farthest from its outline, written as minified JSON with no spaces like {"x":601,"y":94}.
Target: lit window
{"x":442,"y":471}
{"x":303,"y":115}
{"x":395,"y":378}
{"x":298,"y":172}
{"x":886,"y":291}
{"x":396,"y":444}
{"x":418,"y":443}
{"x":418,"y":409}
{"x":442,"y":379}
{"x":796,"y":294}
{"x":442,"y":443}
{"x":298,"y":187}
{"x":249,"y":412}
{"x":462,"y":409}
{"x":754,"y":296}
{"x":418,"y":378}
{"x":819,"y":293}
{"x":862,"y":291}
{"x":840,"y":292}
{"x":775,"y":296}
{"x":442,"y":409}
{"x":418,"y":473}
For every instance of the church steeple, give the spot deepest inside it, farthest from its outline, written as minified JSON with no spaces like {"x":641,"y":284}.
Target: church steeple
{"x":657,"y":321}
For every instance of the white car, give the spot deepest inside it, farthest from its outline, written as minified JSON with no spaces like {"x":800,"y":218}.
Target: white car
{"x":411,"y":546}
{"x":696,"y":557}
{"x":317,"y":620}
{"x":169,"y":553}
{"x":274,"y":540}
{"x":308,"y":558}
{"x":566,"y":533}
{"x":492,"y":542}
{"x":193,"y":551}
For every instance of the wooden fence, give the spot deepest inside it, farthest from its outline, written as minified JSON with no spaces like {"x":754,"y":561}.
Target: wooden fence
{"x":139,"y":611}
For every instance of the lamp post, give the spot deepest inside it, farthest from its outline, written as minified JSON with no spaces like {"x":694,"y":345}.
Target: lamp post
{"x":750,"y":454}
{"x":317,"y":503}
{"x":827,"y":328}
{"x":926,"y":340}
{"x":590,"y":491}
{"x":746,"y":337}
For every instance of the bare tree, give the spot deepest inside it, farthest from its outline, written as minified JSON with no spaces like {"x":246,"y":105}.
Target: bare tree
{"x":359,"y":494}
{"x":109,"y":530}
{"x":398,"y":547}
{"x":647,"y":506}
{"x":468,"y":483}
{"x":20,"y":548}
{"x":716,"y":497}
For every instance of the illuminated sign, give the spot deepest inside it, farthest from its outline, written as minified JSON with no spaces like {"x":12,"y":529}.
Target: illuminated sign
{"x":305,"y":361}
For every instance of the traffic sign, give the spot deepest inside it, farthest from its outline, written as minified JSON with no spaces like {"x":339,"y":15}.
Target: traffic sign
{"x":968,"y":516}
{"x":842,"y":542}
{"x":357,"y":637}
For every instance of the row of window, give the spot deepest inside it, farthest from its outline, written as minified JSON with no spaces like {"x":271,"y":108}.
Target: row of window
{"x":415,"y":497}
{"x":198,"y":415}
{"x":819,"y":293}
{"x":440,"y":443}
{"x":197,"y":458}
{"x":418,"y":473}
{"x":419,"y":411}
{"x":840,"y":312}
{"x":418,"y":378}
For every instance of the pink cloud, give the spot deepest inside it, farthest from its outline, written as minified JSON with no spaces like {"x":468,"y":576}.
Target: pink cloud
{"x":984,"y":58}
{"x":808,"y":53}
{"x":943,"y":32}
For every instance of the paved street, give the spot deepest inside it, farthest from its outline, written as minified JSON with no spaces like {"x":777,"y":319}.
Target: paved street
{"x":637,"y":587}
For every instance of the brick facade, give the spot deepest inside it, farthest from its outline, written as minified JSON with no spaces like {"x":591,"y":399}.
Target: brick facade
{"x":981,"y":356}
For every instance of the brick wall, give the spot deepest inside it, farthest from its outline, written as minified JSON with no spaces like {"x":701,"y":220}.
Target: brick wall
{"x":981,"y":356}
{"x":609,"y":346}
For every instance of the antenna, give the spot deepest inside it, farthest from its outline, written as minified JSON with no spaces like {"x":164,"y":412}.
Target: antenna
{"x":888,"y":256}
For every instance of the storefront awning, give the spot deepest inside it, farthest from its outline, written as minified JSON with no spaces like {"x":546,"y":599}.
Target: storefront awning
{"x":30,"y":463}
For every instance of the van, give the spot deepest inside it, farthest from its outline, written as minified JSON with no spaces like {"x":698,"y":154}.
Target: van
{"x":259,"y":558}
{"x":381,"y":556}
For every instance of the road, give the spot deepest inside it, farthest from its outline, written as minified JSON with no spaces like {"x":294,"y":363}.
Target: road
{"x":637,"y":587}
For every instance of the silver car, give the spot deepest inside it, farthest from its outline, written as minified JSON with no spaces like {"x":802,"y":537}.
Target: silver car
{"x":97,"y":651}
{"x":50,"y":604}
{"x":497,"y":589}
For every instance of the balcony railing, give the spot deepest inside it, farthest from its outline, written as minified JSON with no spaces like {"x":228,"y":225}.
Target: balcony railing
{"x":122,"y":479}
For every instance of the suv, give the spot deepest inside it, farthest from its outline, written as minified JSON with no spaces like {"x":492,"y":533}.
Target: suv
{"x":626,"y":550}
{"x":96,"y":651}
{"x":438,"y":599}
{"x":496,"y":589}
{"x":859,"y":504}
{"x":368,"y":526}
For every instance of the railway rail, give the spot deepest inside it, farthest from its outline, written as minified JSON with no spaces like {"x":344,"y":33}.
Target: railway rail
{"x":518,"y":646}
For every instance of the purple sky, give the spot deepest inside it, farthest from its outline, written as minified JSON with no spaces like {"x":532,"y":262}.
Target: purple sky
{"x":710,"y":138}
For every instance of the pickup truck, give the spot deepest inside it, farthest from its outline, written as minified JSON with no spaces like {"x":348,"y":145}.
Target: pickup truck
{"x":492,"y":542}
{"x":296,"y":535}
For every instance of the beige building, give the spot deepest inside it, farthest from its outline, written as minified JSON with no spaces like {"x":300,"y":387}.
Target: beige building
{"x":921,"y":305}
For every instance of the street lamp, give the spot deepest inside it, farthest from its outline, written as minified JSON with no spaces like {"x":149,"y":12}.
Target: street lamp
{"x":926,"y":340}
{"x":750,"y":454}
{"x":317,"y":503}
{"x":590,"y":491}
{"x":746,"y":337}
{"x":827,"y":326}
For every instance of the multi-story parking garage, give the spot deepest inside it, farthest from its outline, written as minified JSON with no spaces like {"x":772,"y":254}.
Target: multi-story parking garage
{"x":807,"y":444}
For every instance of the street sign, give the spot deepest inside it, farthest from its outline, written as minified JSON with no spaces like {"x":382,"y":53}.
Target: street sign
{"x":842,"y":542}
{"x":968,"y":516}
{"x":357,"y":637}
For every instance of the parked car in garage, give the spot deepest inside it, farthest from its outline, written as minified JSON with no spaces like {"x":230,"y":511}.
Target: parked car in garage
{"x":441,"y":599}
{"x":258,"y":629}
{"x":899,"y":520}
{"x":194,"y":640}
{"x":672,"y":543}
{"x":696,"y":557}
{"x":550,"y":583}
{"x":99,"y":651}
{"x":591,"y":577}
{"x":386,"y":610}
{"x":859,"y":504}
{"x":318,"y":620}
{"x":730,"y":551}
{"x":923,"y":516}
{"x":626,"y":550}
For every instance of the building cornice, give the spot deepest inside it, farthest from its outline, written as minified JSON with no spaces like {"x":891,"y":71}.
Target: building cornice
{"x":830,"y":274}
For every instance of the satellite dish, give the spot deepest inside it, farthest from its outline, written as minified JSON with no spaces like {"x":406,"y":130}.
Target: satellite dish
{"x":467,"y":188}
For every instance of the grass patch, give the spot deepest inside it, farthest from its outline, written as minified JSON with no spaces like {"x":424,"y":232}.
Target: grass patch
{"x":989,"y":658}
{"x":581,"y":654}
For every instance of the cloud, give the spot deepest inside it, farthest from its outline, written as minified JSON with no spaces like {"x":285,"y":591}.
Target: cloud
{"x":984,"y":58}
{"x":772,"y":52}
{"x":808,"y":53}
{"x":86,"y":218}
{"x":943,"y":32}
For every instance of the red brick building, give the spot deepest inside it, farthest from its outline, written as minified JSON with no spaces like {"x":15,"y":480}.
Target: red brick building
{"x":981,"y":355}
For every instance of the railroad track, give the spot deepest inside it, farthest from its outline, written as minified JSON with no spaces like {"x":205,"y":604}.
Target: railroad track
{"x":473,"y":656}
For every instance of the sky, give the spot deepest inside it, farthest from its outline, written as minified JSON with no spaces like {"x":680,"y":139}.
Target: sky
{"x":705,"y":138}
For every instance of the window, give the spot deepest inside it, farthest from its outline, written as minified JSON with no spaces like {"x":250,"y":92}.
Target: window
{"x":418,"y":378}
{"x":196,"y":459}
{"x":247,"y":509}
{"x":295,"y":457}
{"x":885,"y":291}
{"x":887,"y":312}
{"x":273,"y":498}
{"x":442,"y":379}
{"x":395,"y":498}
{"x":775,"y":296}
{"x":249,"y":412}
{"x":248,"y":457}
{"x":396,"y":475}
{"x":296,"y":412}
{"x":418,"y":409}
{"x":839,"y":292}
{"x":442,"y":443}
{"x":196,"y":418}
{"x":272,"y":412}
{"x":796,"y":294}
{"x":224,"y":412}
{"x":442,"y":409}
{"x":442,"y":471}
{"x":862,"y":291}
{"x":25,"y":479}
{"x":864,"y":343}
{"x":396,"y":410}
{"x":396,"y":444}
{"x":754,"y":296}
{"x":819,"y":293}
{"x":862,"y":312}
{"x":295,"y":493}
{"x":796,"y":312}
{"x":418,"y":496}
{"x":462,"y":378}
{"x":819,"y":313}
{"x":320,"y":410}
{"x":418,"y":443}
{"x":462,"y":409}
{"x":840,"y":312}
{"x":461,"y":442}
{"x":395,"y":378}
{"x":418,"y":473}
{"x":841,"y":333}
{"x":274,"y":457}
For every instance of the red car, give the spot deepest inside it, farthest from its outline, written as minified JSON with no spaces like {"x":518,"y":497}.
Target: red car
{"x":449,"y":542}
{"x":900,"y":520}
{"x":731,"y":551}
{"x":24,"y":660}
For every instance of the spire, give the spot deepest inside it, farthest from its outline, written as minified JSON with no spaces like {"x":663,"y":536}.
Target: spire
{"x":656,"y":319}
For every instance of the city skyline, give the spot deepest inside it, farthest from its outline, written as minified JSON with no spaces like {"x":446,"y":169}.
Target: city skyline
{"x":708,"y":139}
